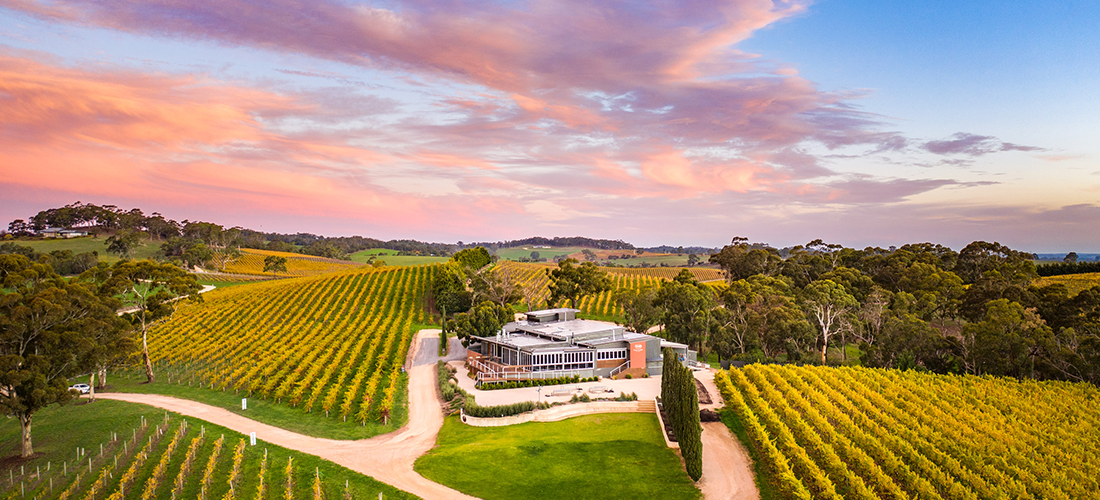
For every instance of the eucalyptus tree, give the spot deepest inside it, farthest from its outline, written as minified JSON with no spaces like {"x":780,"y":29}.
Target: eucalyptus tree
{"x":50,"y":328}
{"x":571,"y":281}
{"x":151,"y":292}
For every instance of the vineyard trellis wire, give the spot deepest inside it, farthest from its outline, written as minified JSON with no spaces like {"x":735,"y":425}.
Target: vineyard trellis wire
{"x":855,"y":432}
{"x":332,"y":343}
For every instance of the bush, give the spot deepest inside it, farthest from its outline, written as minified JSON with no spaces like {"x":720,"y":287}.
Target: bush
{"x":474,"y":410}
{"x":628,"y":376}
{"x":627,"y":397}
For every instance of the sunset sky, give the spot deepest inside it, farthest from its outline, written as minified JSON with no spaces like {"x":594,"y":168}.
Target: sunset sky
{"x":686,"y":123}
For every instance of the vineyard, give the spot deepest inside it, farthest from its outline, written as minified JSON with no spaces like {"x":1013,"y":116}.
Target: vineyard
{"x":602,"y":304}
{"x":333,"y":344}
{"x":869,"y":433}
{"x":1075,"y":283}
{"x":165,"y":457}
{"x":251,"y":262}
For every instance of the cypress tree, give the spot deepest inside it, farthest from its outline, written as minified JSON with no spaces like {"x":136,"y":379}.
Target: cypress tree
{"x":681,"y":404}
{"x":690,"y":433}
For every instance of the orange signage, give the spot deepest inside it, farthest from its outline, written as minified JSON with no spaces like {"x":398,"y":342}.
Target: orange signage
{"x":637,"y":354}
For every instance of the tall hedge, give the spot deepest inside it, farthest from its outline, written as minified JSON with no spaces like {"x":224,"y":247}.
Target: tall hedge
{"x":681,"y":403}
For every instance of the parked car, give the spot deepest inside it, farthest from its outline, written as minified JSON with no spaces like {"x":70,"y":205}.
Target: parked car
{"x":81,"y":388}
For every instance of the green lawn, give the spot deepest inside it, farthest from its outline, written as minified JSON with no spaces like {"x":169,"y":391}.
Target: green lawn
{"x":268,"y":412}
{"x":87,"y":244}
{"x":516,"y":253}
{"x":614,"y":455}
{"x":391,"y":258}
{"x":59,"y":430}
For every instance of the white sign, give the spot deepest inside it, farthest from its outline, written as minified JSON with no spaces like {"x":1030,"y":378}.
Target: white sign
{"x":252,"y":438}
{"x":244,"y":403}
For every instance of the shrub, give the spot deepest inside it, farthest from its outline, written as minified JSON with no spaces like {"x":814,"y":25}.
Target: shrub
{"x":628,"y":376}
{"x":499,"y":411}
{"x":584,"y":398}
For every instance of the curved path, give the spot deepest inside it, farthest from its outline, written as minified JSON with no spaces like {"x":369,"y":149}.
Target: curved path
{"x":388,"y":458}
{"x":727,"y":468}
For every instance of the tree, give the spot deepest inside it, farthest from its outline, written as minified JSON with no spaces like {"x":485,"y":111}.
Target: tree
{"x":224,"y":244}
{"x":154,"y":290}
{"x":472,"y":259}
{"x":589,"y":255}
{"x":1070,"y":258}
{"x":48,"y":326}
{"x":198,"y":255}
{"x":826,"y":303}
{"x":497,"y":284}
{"x":570,"y":281}
{"x":639,"y":311}
{"x":482,"y":321}
{"x":449,"y":290}
{"x":19,"y":227}
{"x":686,"y":305}
{"x":980,"y":257}
{"x":1006,"y":341}
{"x":275,"y":264}
{"x":680,"y":400}
{"x":535,"y":256}
{"x":124,"y":242}
{"x":739,"y":259}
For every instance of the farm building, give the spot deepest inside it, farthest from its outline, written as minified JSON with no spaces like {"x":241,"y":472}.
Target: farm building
{"x":54,"y":232}
{"x":554,"y":343}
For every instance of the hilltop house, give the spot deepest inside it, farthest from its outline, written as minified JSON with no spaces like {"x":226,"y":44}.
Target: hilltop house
{"x":553,"y":343}
{"x":56,"y":232}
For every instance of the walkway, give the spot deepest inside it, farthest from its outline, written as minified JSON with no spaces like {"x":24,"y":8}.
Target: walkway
{"x":727,"y":468}
{"x":388,"y":458}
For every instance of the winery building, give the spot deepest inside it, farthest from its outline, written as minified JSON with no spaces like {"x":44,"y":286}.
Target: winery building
{"x":553,"y":343}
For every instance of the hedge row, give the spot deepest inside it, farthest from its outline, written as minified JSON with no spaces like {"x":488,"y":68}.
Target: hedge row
{"x":575,"y":379}
{"x":474,"y":410}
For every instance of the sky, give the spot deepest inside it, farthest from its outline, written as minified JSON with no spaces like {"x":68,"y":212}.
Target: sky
{"x":859,"y":122}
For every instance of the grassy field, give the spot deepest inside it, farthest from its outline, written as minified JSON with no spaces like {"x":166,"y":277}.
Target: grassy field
{"x":87,"y":244}
{"x":1075,"y":283}
{"x":392,"y":259}
{"x":827,"y":432}
{"x":60,"y":430}
{"x":517,"y":253}
{"x":616,"y":455}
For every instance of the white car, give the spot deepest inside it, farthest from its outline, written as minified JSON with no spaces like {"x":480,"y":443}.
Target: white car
{"x":81,"y":388}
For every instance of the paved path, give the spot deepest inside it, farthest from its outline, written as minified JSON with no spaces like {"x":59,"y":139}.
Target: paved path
{"x":727,"y":468}
{"x":388,"y":458}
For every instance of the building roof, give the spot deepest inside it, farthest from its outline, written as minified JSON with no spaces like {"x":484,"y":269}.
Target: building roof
{"x":529,"y":336}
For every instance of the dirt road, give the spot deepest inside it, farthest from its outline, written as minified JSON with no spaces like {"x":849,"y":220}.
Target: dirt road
{"x":727,"y":468}
{"x":388,"y":458}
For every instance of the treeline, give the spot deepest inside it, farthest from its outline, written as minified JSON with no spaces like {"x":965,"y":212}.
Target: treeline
{"x":1060,"y":268}
{"x":681,"y":250}
{"x":63,"y":262}
{"x":922,"y":306}
{"x":181,"y":236}
{"x":571,"y":241}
